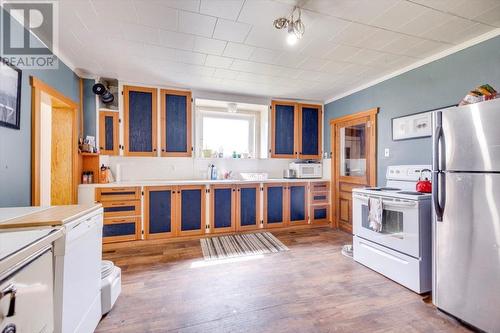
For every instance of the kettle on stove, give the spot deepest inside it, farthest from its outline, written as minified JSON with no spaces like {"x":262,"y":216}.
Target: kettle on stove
{"x":424,"y":185}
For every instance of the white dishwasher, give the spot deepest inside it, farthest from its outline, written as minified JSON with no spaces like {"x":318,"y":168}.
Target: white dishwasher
{"x":77,"y":287}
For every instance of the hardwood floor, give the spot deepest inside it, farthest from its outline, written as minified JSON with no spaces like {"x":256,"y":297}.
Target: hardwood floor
{"x":311,"y":288}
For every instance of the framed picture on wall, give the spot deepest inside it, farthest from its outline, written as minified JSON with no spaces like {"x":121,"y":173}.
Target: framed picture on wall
{"x":10,"y":95}
{"x":413,"y":126}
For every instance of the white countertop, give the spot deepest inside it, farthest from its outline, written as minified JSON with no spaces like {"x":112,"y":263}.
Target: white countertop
{"x":14,"y":212}
{"x":201,"y":182}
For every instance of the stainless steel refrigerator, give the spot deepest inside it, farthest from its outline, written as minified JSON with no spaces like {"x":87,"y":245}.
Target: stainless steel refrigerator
{"x":466,"y":198}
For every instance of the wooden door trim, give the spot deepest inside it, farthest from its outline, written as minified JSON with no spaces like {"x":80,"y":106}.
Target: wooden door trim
{"x":162,"y":235}
{"x":37,"y":87}
{"x":295,"y":129}
{"x":102,"y":132}
{"x":239,"y":227}
{"x":371,"y":116}
{"x":126,"y":141}
{"x":163,"y":116}
{"x":320,"y":131}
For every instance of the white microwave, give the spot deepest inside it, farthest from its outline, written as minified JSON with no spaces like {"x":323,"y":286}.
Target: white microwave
{"x":307,"y":170}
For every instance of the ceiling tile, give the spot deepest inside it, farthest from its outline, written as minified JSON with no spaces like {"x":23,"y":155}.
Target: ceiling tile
{"x":159,"y":16}
{"x":196,"y":24}
{"x":490,"y":17}
{"x":225,"y":73}
{"x":176,"y":40}
{"x":429,"y":19}
{"x":336,"y":67}
{"x":231,"y":31}
{"x":313,"y":64}
{"x":123,"y":10}
{"x":140,"y":33}
{"x":398,"y":15}
{"x":268,"y":37}
{"x":353,"y":34}
{"x":379,"y":39}
{"x":220,"y":62}
{"x":264,"y":55}
{"x":342,"y":52}
{"x":240,"y":51}
{"x":209,"y":45}
{"x":228,"y":9}
{"x":189,"y":5}
{"x":401,"y":44}
{"x":449,"y":31}
{"x":425,"y":48}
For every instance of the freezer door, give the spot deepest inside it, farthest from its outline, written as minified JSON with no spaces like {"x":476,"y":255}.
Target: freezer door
{"x":467,"y":250}
{"x":472,"y":137}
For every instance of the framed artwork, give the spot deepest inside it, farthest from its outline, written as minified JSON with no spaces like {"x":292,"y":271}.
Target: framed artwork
{"x":10,"y":95}
{"x":413,"y":126}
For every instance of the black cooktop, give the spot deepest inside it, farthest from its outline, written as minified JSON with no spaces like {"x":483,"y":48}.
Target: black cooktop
{"x":411,"y":193}
{"x":384,"y":189}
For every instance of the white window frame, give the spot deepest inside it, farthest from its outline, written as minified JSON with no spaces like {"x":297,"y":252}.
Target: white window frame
{"x":254,"y":131}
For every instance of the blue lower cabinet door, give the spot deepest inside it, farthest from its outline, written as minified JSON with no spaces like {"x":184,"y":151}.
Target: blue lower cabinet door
{"x":297,"y":203}
{"x":191,"y":210}
{"x":320,"y":213}
{"x":119,"y":229}
{"x":275,"y":205}
{"x":223,"y":208}
{"x":160,"y":212}
{"x":248,"y":207}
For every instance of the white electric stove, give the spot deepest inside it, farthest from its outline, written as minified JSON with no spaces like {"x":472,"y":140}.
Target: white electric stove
{"x":401,"y":250}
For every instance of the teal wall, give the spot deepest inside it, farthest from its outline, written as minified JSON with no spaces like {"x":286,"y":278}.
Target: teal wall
{"x":437,"y":84}
{"x":15,"y":145}
{"x":89,"y":111}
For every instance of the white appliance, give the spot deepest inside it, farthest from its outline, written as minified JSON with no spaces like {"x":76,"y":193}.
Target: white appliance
{"x":26,"y":285}
{"x":78,"y":275}
{"x":111,"y":285}
{"x":466,"y":197}
{"x":402,"y":249}
{"x":307,"y":169}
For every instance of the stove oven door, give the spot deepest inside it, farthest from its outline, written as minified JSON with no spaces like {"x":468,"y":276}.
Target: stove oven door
{"x":400,"y":224}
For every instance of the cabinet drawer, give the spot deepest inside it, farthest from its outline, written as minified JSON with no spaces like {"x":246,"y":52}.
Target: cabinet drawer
{"x":117,"y":194}
{"x":121,"y":208}
{"x":121,"y":229}
{"x":319,"y":198}
{"x":320,"y":186}
{"x":320,"y":214}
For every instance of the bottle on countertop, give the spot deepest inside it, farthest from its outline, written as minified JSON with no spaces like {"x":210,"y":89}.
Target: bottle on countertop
{"x":214,"y":172}
{"x":209,"y":171}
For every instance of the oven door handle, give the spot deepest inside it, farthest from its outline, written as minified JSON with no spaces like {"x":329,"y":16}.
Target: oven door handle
{"x":389,"y":202}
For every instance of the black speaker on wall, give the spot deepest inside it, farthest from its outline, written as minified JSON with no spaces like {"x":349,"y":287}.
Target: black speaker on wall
{"x":101,"y":90}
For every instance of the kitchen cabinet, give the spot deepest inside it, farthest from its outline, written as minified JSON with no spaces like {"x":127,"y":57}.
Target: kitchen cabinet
{"x":275,"y":205}
{"x":297,"y":203}
{"x":175,"y":123}
{"x":283,"y":129}
{"x":108,"y":133}
{"x":295,"y":130}
{"x":310,"y":120}
{"x":248,"y":207}
{"x":320,"y":203}
{"x":159,"y":208}
{"x":122,"y":213}
{"x":191,"y":210}
{"x":140,"y":121}
{"x":222,"y":208}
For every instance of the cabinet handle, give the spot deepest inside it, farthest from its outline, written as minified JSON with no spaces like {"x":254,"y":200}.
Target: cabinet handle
{"x":154,"y":149}
{"x":163,"y":150}
{"x":101,"y":148}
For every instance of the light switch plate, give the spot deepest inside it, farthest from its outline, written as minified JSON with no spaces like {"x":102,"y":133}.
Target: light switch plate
{"x":386,"y":152}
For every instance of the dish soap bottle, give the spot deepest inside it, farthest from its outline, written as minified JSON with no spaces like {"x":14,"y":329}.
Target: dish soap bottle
{"x":214,"y":172}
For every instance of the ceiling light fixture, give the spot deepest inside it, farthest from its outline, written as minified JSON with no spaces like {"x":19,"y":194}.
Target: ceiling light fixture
{"x":293,"y":24}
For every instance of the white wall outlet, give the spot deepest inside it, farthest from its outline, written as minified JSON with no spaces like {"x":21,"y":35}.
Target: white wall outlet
{"x":387,"y":152}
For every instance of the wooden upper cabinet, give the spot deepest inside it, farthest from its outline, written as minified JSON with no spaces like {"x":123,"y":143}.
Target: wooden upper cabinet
{"x":175,"y":123}
{"x":140,"y":121}
{"x":295,"y":130}
{"x":108,"y":133}
{"x":310,"y":131}
{"x":283,"y":129}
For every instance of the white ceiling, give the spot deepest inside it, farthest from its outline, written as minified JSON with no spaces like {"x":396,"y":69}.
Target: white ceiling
{"x":231,"y":45}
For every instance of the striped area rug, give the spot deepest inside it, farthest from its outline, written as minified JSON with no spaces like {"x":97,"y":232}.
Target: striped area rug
{"x":240,"y":245}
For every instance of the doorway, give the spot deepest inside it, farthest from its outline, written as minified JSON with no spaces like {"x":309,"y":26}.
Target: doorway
{"x":54,"y":147}
{"x":354,"y":146}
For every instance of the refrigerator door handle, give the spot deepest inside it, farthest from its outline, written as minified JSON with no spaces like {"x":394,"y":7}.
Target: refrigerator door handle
{"x":436,"y":166}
